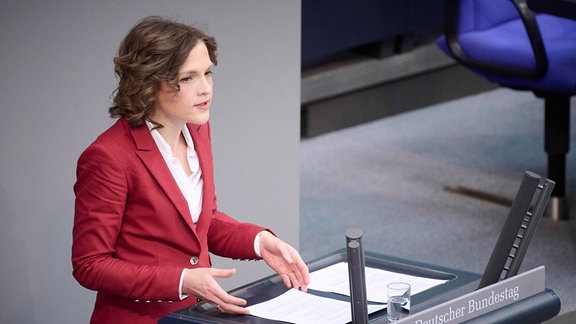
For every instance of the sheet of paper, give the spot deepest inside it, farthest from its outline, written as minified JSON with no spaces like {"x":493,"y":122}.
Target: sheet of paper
{"x":295,"y":306}
{"x":335,"y":279}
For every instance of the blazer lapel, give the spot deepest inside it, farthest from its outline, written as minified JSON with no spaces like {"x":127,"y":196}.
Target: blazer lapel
{"x":148,"y":152}
{"x":202,"y":145}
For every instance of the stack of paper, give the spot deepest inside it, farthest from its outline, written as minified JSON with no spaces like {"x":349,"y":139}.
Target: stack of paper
{"x":295,"y":306}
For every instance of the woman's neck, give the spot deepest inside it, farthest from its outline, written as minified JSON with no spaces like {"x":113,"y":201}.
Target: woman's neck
{"x":174,"y":137}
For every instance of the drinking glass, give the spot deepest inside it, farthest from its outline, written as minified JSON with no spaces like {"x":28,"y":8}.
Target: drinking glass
{"x":398,"y":300}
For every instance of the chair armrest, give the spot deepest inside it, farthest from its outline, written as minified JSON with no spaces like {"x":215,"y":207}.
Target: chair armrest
{"x":452,"y":16}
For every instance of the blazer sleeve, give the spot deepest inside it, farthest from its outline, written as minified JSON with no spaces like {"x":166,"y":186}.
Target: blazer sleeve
{"x":232,"y":239}
{"x":101,"y":191}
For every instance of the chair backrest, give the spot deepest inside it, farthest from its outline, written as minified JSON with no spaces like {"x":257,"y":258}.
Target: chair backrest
{"x":525,"y":214}
{"x":482,"y":14}
{"x":495,"y":38}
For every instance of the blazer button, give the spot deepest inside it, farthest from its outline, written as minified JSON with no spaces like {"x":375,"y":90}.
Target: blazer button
{"x":194,"y":260}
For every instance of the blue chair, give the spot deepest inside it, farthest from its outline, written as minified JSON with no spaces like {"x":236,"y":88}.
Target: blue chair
{"x":508,"y":44}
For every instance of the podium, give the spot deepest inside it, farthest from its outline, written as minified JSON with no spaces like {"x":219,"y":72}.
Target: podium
{"x":534,"y":309}
{"x":458,"y":283}
{"x":460,"y":288}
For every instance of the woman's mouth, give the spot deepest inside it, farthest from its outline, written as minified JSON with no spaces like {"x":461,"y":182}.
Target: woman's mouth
{"x":203,"y":105}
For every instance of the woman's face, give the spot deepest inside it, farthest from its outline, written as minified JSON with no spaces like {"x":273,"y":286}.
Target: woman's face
{"x":192,"y":103}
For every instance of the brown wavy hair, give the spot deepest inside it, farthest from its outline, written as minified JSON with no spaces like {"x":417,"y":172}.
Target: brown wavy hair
{"x":152,"y":53}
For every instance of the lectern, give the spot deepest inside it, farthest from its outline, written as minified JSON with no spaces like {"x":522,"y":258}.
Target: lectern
{"x":458,"y":283}
{"x":529,"y":204}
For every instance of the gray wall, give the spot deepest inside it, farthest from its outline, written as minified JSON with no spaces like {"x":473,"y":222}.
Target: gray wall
{"x":57,"y":80}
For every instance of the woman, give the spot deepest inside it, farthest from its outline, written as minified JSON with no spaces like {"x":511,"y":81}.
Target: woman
{"x":145,"y":212}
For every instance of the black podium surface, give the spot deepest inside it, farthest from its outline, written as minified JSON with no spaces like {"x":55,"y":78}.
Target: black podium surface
{"x":458,"y":283}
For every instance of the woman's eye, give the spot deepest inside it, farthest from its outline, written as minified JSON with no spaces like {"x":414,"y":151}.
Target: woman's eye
{"x":185,"y":79}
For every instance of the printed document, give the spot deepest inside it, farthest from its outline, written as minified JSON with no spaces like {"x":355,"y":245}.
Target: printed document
{"x":295,"y":306}
{"x":335,"y":279}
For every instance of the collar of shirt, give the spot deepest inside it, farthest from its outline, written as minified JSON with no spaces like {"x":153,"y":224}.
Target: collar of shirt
{"x":190,"y":186}
{"x":166,"y":150}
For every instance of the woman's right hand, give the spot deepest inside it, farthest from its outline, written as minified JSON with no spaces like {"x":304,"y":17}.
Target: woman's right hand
{"x":201,"y":282}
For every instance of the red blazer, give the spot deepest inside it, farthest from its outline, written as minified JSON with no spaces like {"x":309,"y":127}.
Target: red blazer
{"x":133,"y":233}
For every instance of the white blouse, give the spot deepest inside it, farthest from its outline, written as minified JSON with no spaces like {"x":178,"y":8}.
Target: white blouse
{"x":190,"y":186}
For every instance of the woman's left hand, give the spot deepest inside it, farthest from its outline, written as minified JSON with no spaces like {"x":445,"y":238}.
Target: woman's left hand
{"x":285,"y":260}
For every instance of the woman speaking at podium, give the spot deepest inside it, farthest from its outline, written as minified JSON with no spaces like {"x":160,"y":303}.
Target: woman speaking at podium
{"x":145,"y":216}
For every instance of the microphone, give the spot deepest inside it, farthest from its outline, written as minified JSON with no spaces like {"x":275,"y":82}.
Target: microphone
{"x":357,"y":276}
